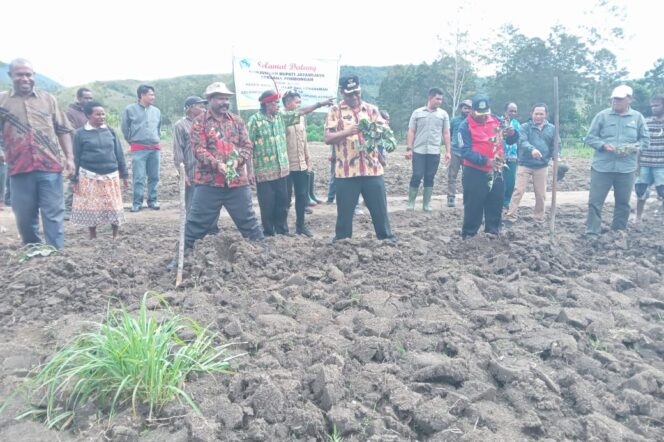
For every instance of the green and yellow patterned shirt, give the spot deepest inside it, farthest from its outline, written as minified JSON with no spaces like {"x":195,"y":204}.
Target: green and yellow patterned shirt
{"x":269,"y":139}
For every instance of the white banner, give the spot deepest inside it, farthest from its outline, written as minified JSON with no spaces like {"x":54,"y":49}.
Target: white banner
{"x":314,"y":79}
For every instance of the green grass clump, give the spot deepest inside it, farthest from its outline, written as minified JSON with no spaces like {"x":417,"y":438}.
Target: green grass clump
{"x":125,"y":360}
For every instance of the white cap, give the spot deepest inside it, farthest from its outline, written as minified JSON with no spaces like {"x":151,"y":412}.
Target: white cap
{"x":622,"y":91}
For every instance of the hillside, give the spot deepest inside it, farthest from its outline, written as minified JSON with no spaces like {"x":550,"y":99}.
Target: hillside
{"x":171,"y":92}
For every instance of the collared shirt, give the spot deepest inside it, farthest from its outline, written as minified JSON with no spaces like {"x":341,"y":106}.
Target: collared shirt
{"x":298,"y":149}
{"x":76,"y":116}
{"x":351,"y":159}
{"x":653,"y":156}
{"x":269,"y":138}
{"x":30,"y":127}
{"x":456,"y":122}
{"x":532,"y":137}
{"x":141,"y":126}
{"x":609,"y":127}
{"x":182,"y":152}
{"x":211,"y":140}
{"x":429,"y":126}
{"x":511,"y":150}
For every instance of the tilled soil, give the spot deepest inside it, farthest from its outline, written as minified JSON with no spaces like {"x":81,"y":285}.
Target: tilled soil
{"x":433,"y":338}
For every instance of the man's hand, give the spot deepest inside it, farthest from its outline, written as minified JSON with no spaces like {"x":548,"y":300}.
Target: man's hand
{"x":328,"y":102}
{"x":496,"y":164}
{"x":536,"y":154}
{"x":508,"y":131}
{"x":221,"y":167}
{"x":409,"y":154}
{"x":448,"y":156}
{"x":353,"y":130}
{"x":609,"y":147}
{"x":69,"y":168}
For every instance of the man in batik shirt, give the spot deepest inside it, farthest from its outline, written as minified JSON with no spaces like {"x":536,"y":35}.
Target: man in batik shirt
{"x":222,"y":148}
{"x":267,"y":131}
{"x":356,"y":171}
{"x":35,"y":133}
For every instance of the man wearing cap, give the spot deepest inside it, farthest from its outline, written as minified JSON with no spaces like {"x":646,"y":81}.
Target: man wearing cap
{"x":456,"y":161}
{"x":267,"y":131}
{"x":356,"y":171}
{"x":480,"y":139}
{"x":141,"y":127}
{"x":651,"y":160}
{"x":616,"y":134}
{"x":222,"y":147}
{"x":182,"y":152}
{"x":428,"y":127}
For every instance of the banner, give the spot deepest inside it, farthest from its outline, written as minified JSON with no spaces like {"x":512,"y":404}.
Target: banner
{"x":315,"y":79}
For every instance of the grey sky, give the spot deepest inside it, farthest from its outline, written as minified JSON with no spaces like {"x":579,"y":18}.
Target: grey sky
{"x":147,"y":40}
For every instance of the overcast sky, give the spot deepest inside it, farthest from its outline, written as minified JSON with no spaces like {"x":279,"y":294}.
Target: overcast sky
{"x":146,"y":40}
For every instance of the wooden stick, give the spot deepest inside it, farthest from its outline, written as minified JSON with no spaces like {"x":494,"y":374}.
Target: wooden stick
{"x":183,"y":220}
{"x":556,"y":136}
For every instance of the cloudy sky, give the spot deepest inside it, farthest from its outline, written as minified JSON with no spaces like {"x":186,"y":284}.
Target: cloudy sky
{"x":145,"y":40}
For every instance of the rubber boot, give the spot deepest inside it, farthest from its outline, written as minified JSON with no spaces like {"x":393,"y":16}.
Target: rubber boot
{"x":312,"y":188}
{"x":427,"y":193}
{"x":412,"y":195}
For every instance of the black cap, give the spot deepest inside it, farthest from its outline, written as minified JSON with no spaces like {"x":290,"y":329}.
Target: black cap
{"x":190,"y":101}
{"x":481,"y":105}
{"x":349,"y":84}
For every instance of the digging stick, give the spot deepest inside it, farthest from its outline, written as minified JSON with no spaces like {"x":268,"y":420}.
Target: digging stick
{"x":183,"y":219}
{"x":554,"y":184}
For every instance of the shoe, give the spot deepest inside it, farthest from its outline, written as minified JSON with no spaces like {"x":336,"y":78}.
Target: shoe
{"x":154,"y":207}
{"x":308,"y":210}
{"x":304,"y":231}
{"x":135,"y":209}
{"x":412,"y":195}
{"x":427,"y":193}
{"x":451,"y":201}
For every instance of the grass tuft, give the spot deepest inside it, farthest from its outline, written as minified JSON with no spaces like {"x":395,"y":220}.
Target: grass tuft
{"x":125,"y":360}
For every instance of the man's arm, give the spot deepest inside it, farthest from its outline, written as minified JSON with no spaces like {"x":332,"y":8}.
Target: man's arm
{"x":643,"y":133}
{"x":466,"y":143}
{"x":313,"y":107}
{"x":65,"y":142}
{"x":593,"y":138}
{"x":125,"y":123}
{"x":448,"y":143}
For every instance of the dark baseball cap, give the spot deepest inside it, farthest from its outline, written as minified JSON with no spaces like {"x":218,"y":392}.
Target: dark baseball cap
{"x":190,"y":101}
{"x":349,"y":84}
{"x":481,"y":105}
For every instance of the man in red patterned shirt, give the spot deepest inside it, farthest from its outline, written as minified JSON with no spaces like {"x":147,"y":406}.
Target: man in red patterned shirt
{"x":222,"y":149}
{"x":35,"y":134}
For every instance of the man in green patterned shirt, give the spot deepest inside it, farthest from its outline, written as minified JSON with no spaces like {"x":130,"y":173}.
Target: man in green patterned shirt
{"x":267,"y":132}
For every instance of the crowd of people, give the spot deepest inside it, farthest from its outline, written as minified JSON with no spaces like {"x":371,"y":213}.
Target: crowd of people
{"x":224,"y":157}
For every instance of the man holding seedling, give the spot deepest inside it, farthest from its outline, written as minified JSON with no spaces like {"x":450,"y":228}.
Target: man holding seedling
{"x":428,"y":127}
{"x":357,"y":170}
{"x":617,"y":134}
{"x":222,"y":149}
{"x":480,"y":138}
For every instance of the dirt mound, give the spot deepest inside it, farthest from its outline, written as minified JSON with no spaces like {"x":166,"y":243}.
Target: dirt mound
{"x":433,"y":338}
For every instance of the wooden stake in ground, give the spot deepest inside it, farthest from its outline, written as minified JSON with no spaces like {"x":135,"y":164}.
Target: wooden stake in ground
{"x":183,"y":220}
{"x":556,"y":137}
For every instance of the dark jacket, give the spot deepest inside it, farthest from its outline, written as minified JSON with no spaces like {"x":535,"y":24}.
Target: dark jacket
{"x":99,"y":151}
{"x":531,"y":137}
{"x":76,"y":116}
